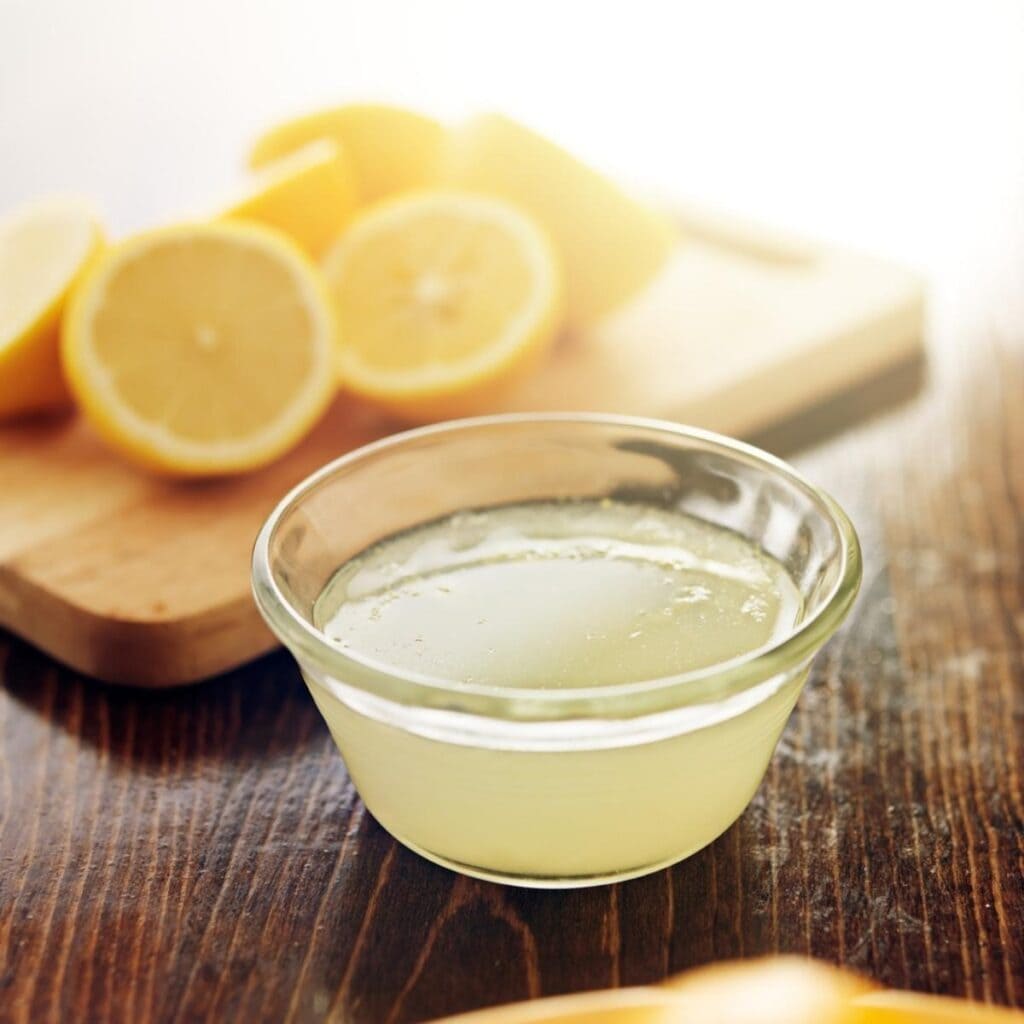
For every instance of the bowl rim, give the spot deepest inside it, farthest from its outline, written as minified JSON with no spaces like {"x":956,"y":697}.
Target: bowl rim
{"x":708,"y":685}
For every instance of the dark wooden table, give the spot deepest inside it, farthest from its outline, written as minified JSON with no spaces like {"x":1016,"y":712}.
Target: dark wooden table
{"x":201,"y":855}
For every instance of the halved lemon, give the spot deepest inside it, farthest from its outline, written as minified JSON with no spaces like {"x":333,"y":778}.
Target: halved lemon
{"x":612,"y":245}
{"x":392,"y":149}
{"x":441,"y":297}
{"x":44,"y":247}
{"x":309,"y":194}
{"x":201,"y":349}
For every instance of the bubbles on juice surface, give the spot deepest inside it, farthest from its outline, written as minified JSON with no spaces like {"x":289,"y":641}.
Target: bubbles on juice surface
{"x":558,"y":594}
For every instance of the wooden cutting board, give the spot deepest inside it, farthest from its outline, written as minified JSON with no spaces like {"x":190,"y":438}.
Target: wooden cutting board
{"x":142,"y":581}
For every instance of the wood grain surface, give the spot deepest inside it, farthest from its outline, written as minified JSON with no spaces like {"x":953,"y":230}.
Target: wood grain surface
{"x":200,"y":855}
{"x":146,"y":582}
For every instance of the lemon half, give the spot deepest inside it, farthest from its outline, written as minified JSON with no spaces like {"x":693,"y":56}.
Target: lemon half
{"x":441,"y":297}
{"x":201,"y":349}
{"x":44,"y":248}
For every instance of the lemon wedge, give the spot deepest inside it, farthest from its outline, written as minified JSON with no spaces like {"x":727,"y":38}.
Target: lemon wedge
{"x":441,"y":297}
{"x":392,"y":149}
{"x":611,"y":245}
{"x":44,"y":248}
{"x":309,"y":194}
{"x":201,"y":349}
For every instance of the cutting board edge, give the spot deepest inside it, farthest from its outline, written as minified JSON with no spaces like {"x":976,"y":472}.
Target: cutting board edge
{"x":153,"y":654}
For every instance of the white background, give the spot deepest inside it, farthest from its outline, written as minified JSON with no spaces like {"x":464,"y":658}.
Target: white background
{"x":896,"y":126}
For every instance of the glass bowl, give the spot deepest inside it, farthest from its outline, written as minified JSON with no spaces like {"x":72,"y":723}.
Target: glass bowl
{"x":548,"y":787}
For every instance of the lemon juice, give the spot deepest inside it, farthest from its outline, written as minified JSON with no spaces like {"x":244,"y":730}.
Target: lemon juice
{"x":559,"y":596}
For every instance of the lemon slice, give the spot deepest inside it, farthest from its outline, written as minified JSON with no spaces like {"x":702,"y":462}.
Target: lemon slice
{"x":440,"y":297}
{"x":612,"y":246}
{"x":201,"y":349}
{"x":309,"y":194}
{"x":392,"y":150}
{"x":44,"y":247}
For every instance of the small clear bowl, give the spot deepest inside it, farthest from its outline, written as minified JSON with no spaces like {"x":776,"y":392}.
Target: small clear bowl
{"x":545,"y":787}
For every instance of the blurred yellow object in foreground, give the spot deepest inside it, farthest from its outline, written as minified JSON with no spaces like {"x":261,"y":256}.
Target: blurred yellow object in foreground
{"x":892,"y":1007}
{"x":392,"y":150}
{"x":611,"y":244}
{"x":44,"y":248}
{"x":773,"y":990}
{"x":440,"y":297}
{"x":309,"y":194}
{"x":203,"y":348}
{"x":613,"y":1006}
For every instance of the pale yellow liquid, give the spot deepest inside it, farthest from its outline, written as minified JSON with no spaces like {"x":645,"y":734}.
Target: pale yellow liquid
{"x":560,"y":595}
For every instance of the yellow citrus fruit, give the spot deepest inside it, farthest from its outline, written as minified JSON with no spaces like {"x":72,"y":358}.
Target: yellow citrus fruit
{"x":612,"y":1006}
{"x":201,"y":349}
{"x":891,"y":1007}
{"x":392,"y":150}
{"x":441,"y":297}
{"x":44,"y":247}
{"x":611,"y":245}
{"x":772,"y":990}
{"x":309,"y":194}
